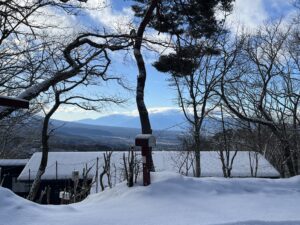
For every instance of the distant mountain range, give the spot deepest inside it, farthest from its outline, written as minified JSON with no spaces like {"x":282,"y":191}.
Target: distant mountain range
{"x":170,"y":119}
{"x":115,"y":132}
{"x":73,"y":136}
{"x":109,"y":135}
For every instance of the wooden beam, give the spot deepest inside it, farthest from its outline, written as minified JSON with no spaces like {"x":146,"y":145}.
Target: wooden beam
{"x":13,"y":102}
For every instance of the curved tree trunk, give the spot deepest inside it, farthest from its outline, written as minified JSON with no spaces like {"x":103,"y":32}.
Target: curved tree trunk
{"x":141,"y":80}
{"x":45,"y":149}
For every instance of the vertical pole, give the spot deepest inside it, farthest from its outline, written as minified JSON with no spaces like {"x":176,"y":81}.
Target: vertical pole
{"x":146,"y":141}
{"x":29,"y":179}
{"x":97,"y":174}
{"x":146,"y":165}
{"x":56,"y":170}
{"x":0,"y":175}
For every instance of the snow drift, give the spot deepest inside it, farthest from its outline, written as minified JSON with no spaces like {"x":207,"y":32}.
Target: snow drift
{"x":172,"y":199}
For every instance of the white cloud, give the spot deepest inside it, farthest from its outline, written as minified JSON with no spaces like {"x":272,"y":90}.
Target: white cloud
{"x":247,"y":13}
{"x":55,"y":23}
{"x":72,"y":113}
{"x":122,"y":21}
{"x":118,"y":21}
{"x":151,"y":110}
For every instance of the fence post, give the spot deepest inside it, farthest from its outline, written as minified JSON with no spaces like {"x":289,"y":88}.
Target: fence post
{"x":56,"y":170}
{"x":97,"y":174}
{"x":29,"y":185}
{"x":146,"y":142}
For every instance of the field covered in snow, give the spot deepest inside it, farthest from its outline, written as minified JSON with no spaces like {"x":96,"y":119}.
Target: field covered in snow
{"x":171,"y":199}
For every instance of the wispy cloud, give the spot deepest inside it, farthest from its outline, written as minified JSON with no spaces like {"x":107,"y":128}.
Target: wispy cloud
{"x":151,"y":110}
{"x":252,"y":14}
{"x":72,"y":113}
{"x":248,"y":13}
{"x":111,"y":19}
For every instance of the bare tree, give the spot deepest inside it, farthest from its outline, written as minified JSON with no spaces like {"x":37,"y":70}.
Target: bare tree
{"x":38,"y":59}
{"x":63,"y":89}
{"x":258,"y":68}
{"x":75,"y":61}
{"x":45,"y":149}
{"x":195,"y":76}
{"x":106,"y":170}
{"x":184,"y":159}
{"x":132,"y":167}
{"x":227,"y":149}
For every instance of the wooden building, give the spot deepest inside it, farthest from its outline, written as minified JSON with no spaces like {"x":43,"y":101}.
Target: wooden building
{"x":62,"y":165}
{"x":59,"y":175}
{"x":10,"y":169}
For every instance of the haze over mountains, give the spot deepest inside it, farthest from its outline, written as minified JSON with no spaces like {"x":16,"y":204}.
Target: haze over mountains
{"x":169,"y":119}
{"x":116,"y":131}
{"x":113,"y":136}
{"x":172,"y":120}
{"x":75,"y":136}
{"x":119,"y":130}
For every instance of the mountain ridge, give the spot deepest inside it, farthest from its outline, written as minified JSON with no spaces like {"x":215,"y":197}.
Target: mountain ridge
{"x":159,"y":120}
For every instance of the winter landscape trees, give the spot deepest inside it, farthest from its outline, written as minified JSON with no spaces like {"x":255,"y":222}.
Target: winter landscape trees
{"x":237,"y":89}
{"x":248,"y":79}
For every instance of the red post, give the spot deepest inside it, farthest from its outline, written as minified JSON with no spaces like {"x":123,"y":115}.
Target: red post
{"x":146,"y":141}
{"x":146,"y":166}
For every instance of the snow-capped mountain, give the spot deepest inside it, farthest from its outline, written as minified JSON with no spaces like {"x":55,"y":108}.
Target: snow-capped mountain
{"x":159,"y":120}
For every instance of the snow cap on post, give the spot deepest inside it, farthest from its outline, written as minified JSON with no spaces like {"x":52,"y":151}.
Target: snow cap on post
{"x":145,"y":140}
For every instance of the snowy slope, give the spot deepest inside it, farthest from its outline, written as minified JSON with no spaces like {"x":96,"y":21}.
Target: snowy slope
{"x":171,"y":200}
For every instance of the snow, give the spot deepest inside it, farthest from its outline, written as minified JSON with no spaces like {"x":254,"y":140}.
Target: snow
{"x":171,"y":199}
{"x":13,"y":98}
{"x":145,"y":140}
{"x":164,"y":161}
{"x":61,"y":165}
{"x":211,"y":165}
{"x":13,"y":162}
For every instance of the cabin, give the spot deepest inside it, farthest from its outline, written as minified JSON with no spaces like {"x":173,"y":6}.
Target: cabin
{"x":65,"y":171}
{"x":62,"y":166}
{"x":10,"y":169}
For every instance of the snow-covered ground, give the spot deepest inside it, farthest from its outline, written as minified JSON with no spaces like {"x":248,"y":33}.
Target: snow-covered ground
{"x":171,"y":199}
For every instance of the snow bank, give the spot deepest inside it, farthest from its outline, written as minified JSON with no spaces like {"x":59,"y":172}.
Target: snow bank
{"x":172,"y":199}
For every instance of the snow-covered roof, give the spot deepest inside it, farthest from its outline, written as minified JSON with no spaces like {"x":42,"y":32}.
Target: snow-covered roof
{"x":13,"y":162}
{"x":211,"y":165}
{"x":62,"y":164}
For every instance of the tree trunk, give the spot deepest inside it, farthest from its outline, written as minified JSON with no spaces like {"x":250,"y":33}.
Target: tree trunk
{"x":45,"y":149}
{"x":141,"y":80}
{"x":288,"y":157}
{"x":197,"y":153}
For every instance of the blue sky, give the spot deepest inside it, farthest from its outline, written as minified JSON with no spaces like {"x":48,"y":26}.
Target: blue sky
{"x":158,"y":95}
